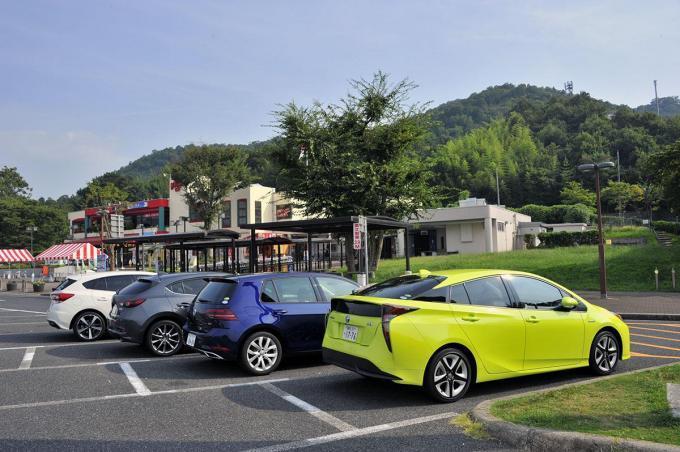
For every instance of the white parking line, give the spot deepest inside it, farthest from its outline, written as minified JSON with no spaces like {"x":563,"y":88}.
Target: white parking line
{"x":106,"y":363}
{"x":134,"y":380}
{"x":311,"y":409}
{"x":134,"y":394}
{"x":353,"y":433}
{"x":23,"y":323}
{"x":28,"y":358}
{"x":22,"y":310}
{"x":67,"y":344}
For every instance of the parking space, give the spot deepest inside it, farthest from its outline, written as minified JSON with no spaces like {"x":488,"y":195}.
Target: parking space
{"x":62,"y":394}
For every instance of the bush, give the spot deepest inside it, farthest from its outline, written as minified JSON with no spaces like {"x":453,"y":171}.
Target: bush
{"x":667,"y":226}
{"x":560,"y":213}
{"x":561,"y":239}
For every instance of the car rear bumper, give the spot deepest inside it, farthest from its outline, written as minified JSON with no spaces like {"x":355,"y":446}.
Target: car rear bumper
{"x":120,"y":329}
{"x":356,"y":364}
{"x":214,"y":344}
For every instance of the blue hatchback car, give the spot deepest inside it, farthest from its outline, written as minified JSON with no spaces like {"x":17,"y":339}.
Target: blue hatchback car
{"x":256,"y":319}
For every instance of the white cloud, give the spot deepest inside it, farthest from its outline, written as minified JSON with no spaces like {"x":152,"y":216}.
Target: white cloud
{"x":57,"y":163}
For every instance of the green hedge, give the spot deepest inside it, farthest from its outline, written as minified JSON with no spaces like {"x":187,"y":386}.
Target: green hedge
{"x":560,"y":239}
{"x":667,"y":226}
{"x":560,"y":213}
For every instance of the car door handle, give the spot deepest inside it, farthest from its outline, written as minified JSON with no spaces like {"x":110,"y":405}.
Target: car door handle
{"x":470,"y":318}
{"x":280,"y":311}
{"x":532,"y":319}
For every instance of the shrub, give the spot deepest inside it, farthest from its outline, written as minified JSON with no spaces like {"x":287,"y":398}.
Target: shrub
{"x":563,"y":238}
{"x":667,"y":226}
{"x":560,"y":213}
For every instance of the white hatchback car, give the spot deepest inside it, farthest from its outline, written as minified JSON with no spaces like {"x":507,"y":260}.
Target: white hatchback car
{"x":82,"y":302}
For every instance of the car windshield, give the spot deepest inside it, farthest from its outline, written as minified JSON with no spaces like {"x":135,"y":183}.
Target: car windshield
{"x":65,"y":283}
{"x":403,"y":288}
{"x":136,"y":287}
{"x":217,"y":291}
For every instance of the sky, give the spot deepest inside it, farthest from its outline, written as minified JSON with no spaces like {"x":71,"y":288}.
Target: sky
{"x":88,"y":86}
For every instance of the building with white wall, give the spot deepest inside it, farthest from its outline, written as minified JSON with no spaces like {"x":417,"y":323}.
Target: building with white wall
{"x":473,"y":227}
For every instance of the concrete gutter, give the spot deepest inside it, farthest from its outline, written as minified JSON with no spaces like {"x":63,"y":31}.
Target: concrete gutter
{"x":645,"y":316}
{"x":531,"y":438}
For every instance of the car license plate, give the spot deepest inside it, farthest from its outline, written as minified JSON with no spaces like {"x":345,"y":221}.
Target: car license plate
{"x":191,"y":339}
{"x":350,"y":333}
{"x":114,"y":310}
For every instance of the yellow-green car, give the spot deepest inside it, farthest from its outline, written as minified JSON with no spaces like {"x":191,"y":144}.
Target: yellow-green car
{"x":446,"y":330}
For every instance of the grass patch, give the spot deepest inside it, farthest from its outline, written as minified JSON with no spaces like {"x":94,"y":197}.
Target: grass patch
{"x":470,"y":427}
{"x":629,"y":268}
{"x":630,"y":406}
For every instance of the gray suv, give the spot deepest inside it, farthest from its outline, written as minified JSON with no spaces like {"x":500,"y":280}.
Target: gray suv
{"x":152,"y":310}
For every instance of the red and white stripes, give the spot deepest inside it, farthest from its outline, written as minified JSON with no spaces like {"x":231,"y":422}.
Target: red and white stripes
{"x":79,"y":251}
{"x":9,"y":255}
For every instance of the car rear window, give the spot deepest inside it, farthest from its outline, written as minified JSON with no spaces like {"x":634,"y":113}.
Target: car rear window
{"x":65,"y":283}
{"x":217,"y":291}
{"x":403,"y":288}
{"x":136,"y":287}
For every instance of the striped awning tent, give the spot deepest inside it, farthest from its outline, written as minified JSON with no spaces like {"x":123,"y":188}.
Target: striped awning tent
{"x":10,"y":256}
{"x":68,"y":251}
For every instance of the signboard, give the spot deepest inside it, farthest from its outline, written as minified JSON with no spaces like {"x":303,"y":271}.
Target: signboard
{"x":138,"y":205}
{"x":357,"y":236}
{"x":284,"y":212}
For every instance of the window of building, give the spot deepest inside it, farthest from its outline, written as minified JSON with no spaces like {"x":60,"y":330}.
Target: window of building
{"x":226,"y":214}
{"x":466,"y":232}
{"x":194,"y":216}
{"x":242,"y":211}
{"x":258,"y":211}
{"x":501,"y":226}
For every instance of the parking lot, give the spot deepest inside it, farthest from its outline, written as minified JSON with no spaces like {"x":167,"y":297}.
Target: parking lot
{"x":61,"y":394}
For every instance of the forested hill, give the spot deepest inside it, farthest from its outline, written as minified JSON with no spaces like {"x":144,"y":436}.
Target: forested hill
{"x":668,"y":106}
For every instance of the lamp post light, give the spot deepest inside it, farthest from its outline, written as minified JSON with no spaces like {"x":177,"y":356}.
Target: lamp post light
{"x":596,"y":168}
{"x":31,"y":230}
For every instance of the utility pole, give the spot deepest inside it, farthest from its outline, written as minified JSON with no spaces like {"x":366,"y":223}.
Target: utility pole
{"x":656,"y":96}
{"x":618,"y":167}
{"x":596,"y":168}
{"x":498,"y":190}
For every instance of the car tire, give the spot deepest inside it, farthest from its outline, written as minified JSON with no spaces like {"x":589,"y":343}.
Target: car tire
{"x":164,"y":338}
{"x":261,"y":353}
{"x":448,"y":375}
{"x":604,"y":353}
{"x":89,"y":326}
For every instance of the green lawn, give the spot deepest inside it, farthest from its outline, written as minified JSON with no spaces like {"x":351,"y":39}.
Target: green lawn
{"x":629,"y":268}
{"x":630,"y":406}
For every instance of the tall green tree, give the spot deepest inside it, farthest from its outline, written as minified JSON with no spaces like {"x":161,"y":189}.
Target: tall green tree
{"x":574,"y":193}
{"x":620,"y":195}
{"x":97,"y":194}
{"x":664,"y":166}
{"x":208,"y":174}
{"x":358,"y":157}
{"x":12,"y":184}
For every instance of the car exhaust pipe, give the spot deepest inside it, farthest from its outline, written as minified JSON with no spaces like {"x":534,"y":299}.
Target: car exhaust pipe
{"x":211,"y":354}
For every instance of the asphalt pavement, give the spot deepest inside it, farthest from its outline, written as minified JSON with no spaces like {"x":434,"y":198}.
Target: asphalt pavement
{"x":61,"y":394}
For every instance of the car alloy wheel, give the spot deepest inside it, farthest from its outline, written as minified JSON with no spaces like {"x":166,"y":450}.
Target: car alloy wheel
{"x":164,"y":338}
{"x":89,"y":326}
{"x":449,"y":375}
{"x":605,"y":353}
{"x":261,"y":353}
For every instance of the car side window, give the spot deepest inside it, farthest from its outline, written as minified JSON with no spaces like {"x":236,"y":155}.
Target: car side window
{"x":335,"y":287}
{"x":193,"y":286}
{"x":436,"y":295}
{"x":488,"y":292}
{"x":459,"y":295}
{"x":115,"y":283}
{"x":176,"y":287}
{"x":535,"y":293}
{"x":295,"y":290}
{"x":95,"y":284}
{"x":269,"y":293}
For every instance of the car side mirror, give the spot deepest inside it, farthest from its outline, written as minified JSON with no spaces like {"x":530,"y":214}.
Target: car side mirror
{"x":568,"y":303}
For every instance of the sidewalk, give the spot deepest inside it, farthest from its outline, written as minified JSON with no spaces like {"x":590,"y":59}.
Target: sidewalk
{"x":648,"y":303}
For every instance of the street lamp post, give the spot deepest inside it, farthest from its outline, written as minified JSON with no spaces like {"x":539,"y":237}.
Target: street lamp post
{"x":31,"y":230}
{"x":596,"y":168}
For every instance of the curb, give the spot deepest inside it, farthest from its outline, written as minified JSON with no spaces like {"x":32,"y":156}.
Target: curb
{"x":645,"y":316}
{"x":532,"y":438}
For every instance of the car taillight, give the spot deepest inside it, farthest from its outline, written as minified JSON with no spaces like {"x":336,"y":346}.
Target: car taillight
{"x":133,"y":303}
{"x":389,"y":312}
{"x":221,"y":314}
{"x":61,"y":297}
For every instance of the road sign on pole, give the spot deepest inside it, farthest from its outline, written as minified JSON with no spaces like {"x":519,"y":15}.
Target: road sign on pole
{"x":357,"y":236}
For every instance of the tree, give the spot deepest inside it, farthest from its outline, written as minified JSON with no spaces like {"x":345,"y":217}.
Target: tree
{"x":574,"y":193}
{"x":208,"y":174}
{"x":664,"y":166}
{"x":622,"y":194}
{"x":12,"y":184}
{"x":97,"y":194}
{"x":359,"y":157}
